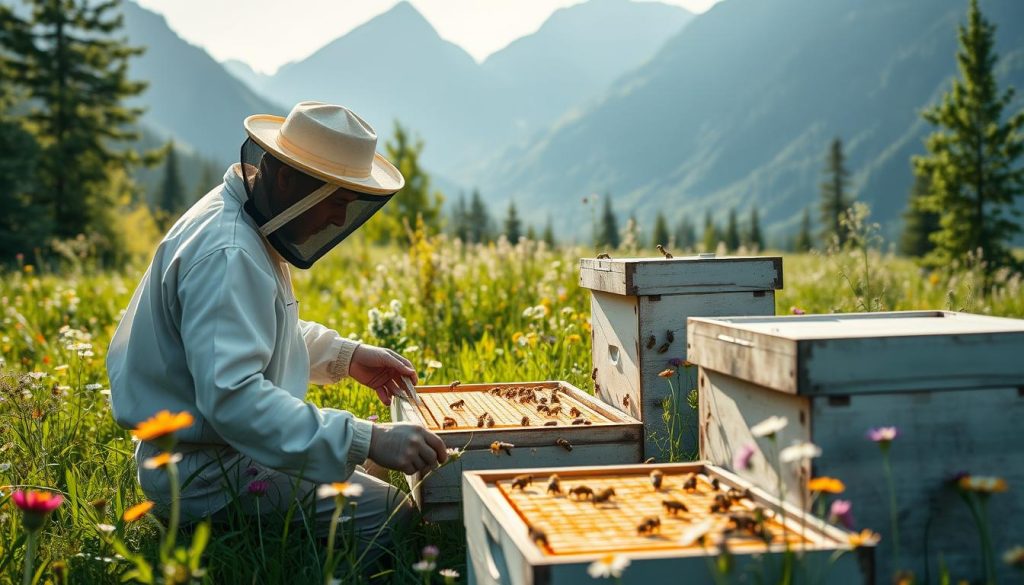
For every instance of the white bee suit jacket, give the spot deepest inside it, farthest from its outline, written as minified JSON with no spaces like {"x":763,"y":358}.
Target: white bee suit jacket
{"x":213,"y":329}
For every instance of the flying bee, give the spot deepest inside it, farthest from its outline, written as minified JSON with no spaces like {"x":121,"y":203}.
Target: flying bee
{"x":581,"y":492}
{"x":538,"y":537}
{"x":625,"y":401}
{"x":663,"y":251}
{"x":664,"y":347}
{"x":691,"y":483}
{"x":650,"y":342}
{"x":525,"y":422}
{"x":604,"y":256}
{"x":649,"y":525}
{"x":563,"y":443}
{"x":554,"y":485}
{"x":672,"y":507}
{"x":521,"y":481}
{"x":453,"y":384}
{"x":603,"y":496}
{"x":656,"y":477}
{"x":449,"y":422}
{"x":574,"y":412}
{"x":555,"y":410}
{"x":457,"y":405}
{"x":551,"y":423}
{"x":498,"y":446}
{"x":580,"y":421}
{"x":490,"y":422}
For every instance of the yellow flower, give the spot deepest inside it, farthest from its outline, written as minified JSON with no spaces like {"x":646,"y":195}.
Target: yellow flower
{"x":983,"y":485}
{"x":162,"y":424}
{"x":532,"y":338}
{"x":161,"y":460}
{"x":516,"y":336}
{"x":137,"y":511}
{"x":346,"y":489}
{"x":826,"y":484}
{"x":573,"y":338}
{"x":28,"y":269}
{"x":865,"y":538}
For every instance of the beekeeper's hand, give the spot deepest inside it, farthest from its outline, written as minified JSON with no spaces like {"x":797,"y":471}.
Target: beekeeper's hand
{"x":407,"y":447}
{"x":381,"y":369}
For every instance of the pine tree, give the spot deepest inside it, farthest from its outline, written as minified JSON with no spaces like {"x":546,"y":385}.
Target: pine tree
{"x":416,"y":199}
{"x":755,"y":239}
{"x":480,"y":221}
{"x":732,"y":232}
{"x":531,"y":233}
{"x":608,"y":234}
{"x":660,"y":235}
{"x":710,"y":239}
{"x":803,"y":241}
{"x":686,"y":234}
{"x":834,"y":197}
{"x":973,"y":156}
{"x":513,"y":225}
{"x":918,"y":223}
{"x":75,"y":74}
{"x":171,"y":200}
{"x":460,"y":219}
{"x":549,"y":234}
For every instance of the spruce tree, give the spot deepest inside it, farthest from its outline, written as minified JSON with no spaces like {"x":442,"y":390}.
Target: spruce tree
{"x":549,"y":234}
{"x":416,"y":199}
{"x":686,"y":234}
{"x":732,"y":232}
{"x":834,"y":197}
{"x":660,"y":235}
{"x":171,"y":200}
{"x":973,"y":161}
{"x":480,"y":221}
{"x":918,"y":223}
{"x":710,"y":238}
{"x":75,"y":75}
{"x":460,"y":219}
{"x":803,"y":241}
{"x":513,"y":225}
{"x":755,"y":239}
{"x":531,"y":233}
{"x":608,"y":234}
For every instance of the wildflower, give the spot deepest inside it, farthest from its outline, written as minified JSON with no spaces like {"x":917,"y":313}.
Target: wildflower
{"x":841,"y":512}
{"x":799,"y":452}
{"x":741,"y":460}
{"x":449,"y":575}
{"x":93,"y":386}
{"x":373,"y":418}
{"x":667,"y":373}
{"x":796,"y":310}
{"x":424,"y":566}
{"x":695,"y":532}
{"x":1014,"y":557}
{"x":982,"y":485}
{"x":430,"y":552}
{"x":161,"y":460}
{"x":864,"y":538}
{"x":258,"y":487}
{"x":346,"y":489}
{"x":161,"y":428}
{"x":608,"y":566}
{"x":883,"y":435}
{"x":434,"y":364}
{"x":829,"y":485}
{"x":137,"y":511}
{"x":35,"y":506}
{"x":573,"y":338}
{"x":454,"y":453}
{"x":60,"y":368}
{"x":4,"y":466}
{"x":769,"y":426}
{"x":106,"y":528}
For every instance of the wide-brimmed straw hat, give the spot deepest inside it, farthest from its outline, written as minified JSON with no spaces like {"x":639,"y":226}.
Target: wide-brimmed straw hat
{"x":330,"y":143}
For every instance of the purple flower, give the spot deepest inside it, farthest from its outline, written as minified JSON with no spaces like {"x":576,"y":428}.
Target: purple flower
{"x":842,"y":511}
{"x":797,"y":310}
{"x":676,"y":362}
{"x":430,"y":552}
{"x":258,"y":487}
{"x":884,"y":435}
{"x":372,"y":418}
{"x":741,"y":460}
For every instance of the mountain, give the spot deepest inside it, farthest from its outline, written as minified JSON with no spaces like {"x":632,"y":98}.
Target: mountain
{"x":190,"y":97}
{"x":739,"y":107}
{"x":575,"y":55}
{"x":242,"y":72}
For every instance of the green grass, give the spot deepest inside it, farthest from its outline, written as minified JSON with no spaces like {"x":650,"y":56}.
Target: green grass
{"x":466,"y":308}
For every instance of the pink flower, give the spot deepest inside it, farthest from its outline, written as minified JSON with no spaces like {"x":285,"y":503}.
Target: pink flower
{"x":884,"y":435}
{"x":35,"y":506}
{"x":741,"y":460}
{"x":842,"y":511}
{"x":258,"y":487}
{"x":797,"y":310}
{"x":372,"y":418}
{"x":430,"y":552}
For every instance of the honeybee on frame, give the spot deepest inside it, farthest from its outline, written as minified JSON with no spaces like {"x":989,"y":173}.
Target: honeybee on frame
{"x":525,"y":422}
{"x":521,"y":481}
{"x":457,"y":405}
{"x":672,"y":507}
{"x":656,"y":477}
{"x":554,"y":485}
{"x":453,"y":384}
{"x":581,"y":492}
{"x":649,"y":525}
{"x":449,"y":422}
{"x":574,"y":412}
{"x":603,"y":496}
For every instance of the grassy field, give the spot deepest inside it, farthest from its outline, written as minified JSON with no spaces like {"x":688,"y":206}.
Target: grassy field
{"x":477,"y":314}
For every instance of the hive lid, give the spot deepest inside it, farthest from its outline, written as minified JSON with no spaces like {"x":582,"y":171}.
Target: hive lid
{"x":862,"y":352}
{"x":691,"y":274}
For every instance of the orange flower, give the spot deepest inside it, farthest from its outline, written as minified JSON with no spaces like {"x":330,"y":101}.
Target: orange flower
{"x":984,"y":485}
{"x":667,"y":373}
{"x":161,"y":460}
{"x":161,"y":425}
{"x":865,"y":538}
{"x":826,"y":484}
{"x":137,"y":511}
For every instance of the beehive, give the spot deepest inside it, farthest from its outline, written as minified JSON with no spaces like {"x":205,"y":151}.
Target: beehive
{"x":504,"y":521}
{"x":639,"y":308}
{"x":603,"y":434}
{"x":952,"y":383}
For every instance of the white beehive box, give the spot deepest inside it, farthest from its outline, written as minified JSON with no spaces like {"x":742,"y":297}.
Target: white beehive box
{"x":639,"y":308}
{"x":952,"y":383}
{"x":502,"y":551}
{"x":611,"y":437}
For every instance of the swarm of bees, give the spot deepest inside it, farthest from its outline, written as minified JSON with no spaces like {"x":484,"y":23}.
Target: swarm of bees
{"x":548,"y":404}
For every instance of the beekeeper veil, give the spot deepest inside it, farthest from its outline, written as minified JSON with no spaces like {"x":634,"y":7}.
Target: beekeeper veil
{"x":313,"y":178}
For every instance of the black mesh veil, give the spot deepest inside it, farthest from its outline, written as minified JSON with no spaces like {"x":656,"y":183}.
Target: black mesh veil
{"x":324,"y":214}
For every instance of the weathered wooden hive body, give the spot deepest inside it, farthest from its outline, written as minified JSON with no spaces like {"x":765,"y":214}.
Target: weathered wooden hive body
{"x":521,"y":533}
{"x":639,"y":308}
{"x":952,"y":383}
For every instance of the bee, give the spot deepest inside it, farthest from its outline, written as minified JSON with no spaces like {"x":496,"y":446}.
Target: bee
{"x":574,"y":412}
{"x":664,"y":252}
{"x":669,"y":336}
{"x":496,"y":391}
{"x":672,"y":507}
{"x":581,"y":492}
{"x":625,"y":401}
{"x":580,"y":421}
{"x":526,"y":399}
{"x":490,"y":422}
{"x":724,"y":503}
{"x":563,"y":443}
{"x":593,"y":374}
{"x":538,"y":537}
{"x":554,"y":485}
{"x":480,"y":420}
{"x":551,"y":423}
{"x":736,"y":495}
{"x":715,"y":485}
{"x":543,"y":408}
{"x":715,"y":508}
{"x":543,"y":400}
{"x":521,"y":481}
{"x":656,"y":477}
{"x":691,"y":483}
{"x":649,"y":525}
{"x":449,"y":422}
{"x":743,"y":522}
{"x":457,"y":405}
{"x":604,"y":256}
{"x":510,"y":394}
{"x":664,"y":347}
{"x":555,"y":410}
{"x":525,"y":422}
{"x":555,"y":399}
{"x":453,"y":384}
{"x":498,"y":446}
{"x":603,"y":496}
{"x":650,"y":342}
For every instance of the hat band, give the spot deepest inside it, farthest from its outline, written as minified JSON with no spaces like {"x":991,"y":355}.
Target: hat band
{"x":329,"y":165}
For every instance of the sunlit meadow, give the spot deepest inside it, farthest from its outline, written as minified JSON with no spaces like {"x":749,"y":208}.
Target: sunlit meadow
{"x":473,"y":313}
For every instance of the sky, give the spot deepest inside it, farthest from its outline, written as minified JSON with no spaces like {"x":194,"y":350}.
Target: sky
{"x":266,"y":36}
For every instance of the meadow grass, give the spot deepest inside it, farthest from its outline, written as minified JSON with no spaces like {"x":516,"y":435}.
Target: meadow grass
{"x":473,"y":313}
